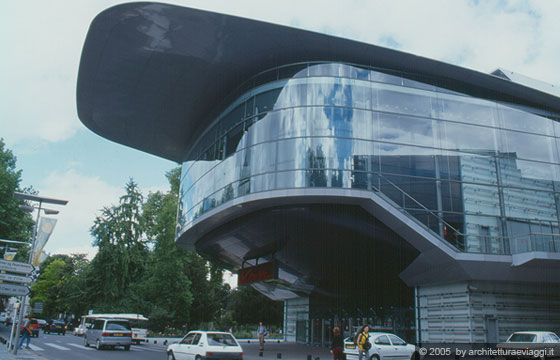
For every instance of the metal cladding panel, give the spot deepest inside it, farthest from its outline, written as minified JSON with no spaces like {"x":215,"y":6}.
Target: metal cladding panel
{"x":459,"y":312}
{"x":153,"y":76}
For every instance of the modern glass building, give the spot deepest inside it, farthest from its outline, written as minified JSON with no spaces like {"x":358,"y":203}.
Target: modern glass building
{"x":385,"y":188}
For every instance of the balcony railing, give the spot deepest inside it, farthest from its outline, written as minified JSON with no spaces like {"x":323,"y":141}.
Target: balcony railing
{"x":473,"y":243}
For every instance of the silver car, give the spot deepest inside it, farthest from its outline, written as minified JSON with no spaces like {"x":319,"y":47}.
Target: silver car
{"x":109,"y":333}
{"x":384,"y":346}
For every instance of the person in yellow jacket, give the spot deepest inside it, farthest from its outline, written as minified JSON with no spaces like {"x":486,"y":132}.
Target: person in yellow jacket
{"x":363,"y":343}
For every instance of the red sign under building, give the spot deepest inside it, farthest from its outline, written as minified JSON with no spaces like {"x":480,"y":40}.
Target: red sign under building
{"x":256,"y":273}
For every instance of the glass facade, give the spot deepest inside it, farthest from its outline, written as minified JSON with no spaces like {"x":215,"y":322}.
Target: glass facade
{"x":482,"y":175}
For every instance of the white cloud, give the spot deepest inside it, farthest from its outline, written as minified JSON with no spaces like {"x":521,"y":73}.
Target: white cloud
{"x":483,"y":35}
{"x":86,"y":197}
{"x":90,"y":251}
{"x":39,"y":72}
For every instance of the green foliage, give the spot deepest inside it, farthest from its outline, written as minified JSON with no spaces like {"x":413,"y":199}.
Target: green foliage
{"x":262,"y":308}
{"x":160,"y":319}
{"x":122,"y":253}
{"x":168,"y":286}
{"x":60,"y":286}
{"x":139,"y":269}
{"x":210,"y":295}
{"x":49,"y":285}
{"x":15,"y":224}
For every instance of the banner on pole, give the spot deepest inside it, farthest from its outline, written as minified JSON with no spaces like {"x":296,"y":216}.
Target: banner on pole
{"x":46,"y":227}
{"x":9,"y":255}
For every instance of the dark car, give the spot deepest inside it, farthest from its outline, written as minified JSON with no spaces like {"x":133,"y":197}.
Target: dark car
{"x":56,"y":326}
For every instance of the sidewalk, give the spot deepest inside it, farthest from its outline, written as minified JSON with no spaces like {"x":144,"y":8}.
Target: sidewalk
{"x":23,"y":354}
{"x":7,"y":355}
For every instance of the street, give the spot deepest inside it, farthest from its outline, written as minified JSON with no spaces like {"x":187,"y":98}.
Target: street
{"x":70,"y":347}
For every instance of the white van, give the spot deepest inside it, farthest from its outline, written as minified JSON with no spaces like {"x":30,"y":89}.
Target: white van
{"x":109,"y":333}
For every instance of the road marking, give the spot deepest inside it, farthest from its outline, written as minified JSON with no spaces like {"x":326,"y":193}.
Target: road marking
{"x":81,"y":347}
{"x":35,"y":347}
{"x":140,"y":348}
{"x":57,"y":346}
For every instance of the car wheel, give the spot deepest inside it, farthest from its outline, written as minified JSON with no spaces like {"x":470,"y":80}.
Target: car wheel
{"x":64,"y":333}
{"x":374,"y":357}
{"x":97,"y":345}
{"x":127,"y":347}
{"x":197,"y":357}
{"x":86,"y":344}
{"x":170,"y":356}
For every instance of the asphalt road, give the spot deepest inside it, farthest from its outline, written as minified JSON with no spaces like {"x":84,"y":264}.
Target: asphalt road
{"x":70,"y":347}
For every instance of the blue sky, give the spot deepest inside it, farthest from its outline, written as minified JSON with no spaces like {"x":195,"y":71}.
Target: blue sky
{"x":42,"y":43}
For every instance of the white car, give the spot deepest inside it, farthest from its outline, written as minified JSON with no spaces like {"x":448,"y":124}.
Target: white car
{"x":384,"y":346}
{"x":79,"y":330}
{"x":206,"y":345}
{"x":543,"y":344}
{"x":533,"y":337}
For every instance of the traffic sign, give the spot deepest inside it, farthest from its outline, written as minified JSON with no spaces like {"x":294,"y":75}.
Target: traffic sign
{"x":38,"y":307}
{"x":15,"y":278}
{"x":13,"y":290}
{"x":16,"y":267}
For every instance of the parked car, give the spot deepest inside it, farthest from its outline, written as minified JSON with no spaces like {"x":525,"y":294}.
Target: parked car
{"x":34,"y":327}
{"x":206,"y":345}
{"x":55,"y":326}
{"x":543,"y":341}
{"x":384,"y":346}
{"x":3,"y":317}
{"x":109,"y":333}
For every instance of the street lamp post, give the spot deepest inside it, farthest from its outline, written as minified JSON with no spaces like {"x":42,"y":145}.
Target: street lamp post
{"x":40,"y":200}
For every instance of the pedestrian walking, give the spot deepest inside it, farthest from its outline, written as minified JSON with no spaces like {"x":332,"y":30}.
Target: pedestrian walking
{"x":25,"y":334}
{"x":261,"y":333}
{"x":337,"y":345}
{"x":363,"y":343}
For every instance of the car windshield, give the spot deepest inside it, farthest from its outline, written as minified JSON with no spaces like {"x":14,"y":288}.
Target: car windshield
{"x":523,"y":338}
{"x":117,"y":325}
{"x":218,"y":339}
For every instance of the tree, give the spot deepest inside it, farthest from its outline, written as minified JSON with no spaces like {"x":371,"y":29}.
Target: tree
{"x":181,"y":283}
{"x":60,"y":285}
{"x":15,"y":224}
{"x":168,"y":286}
{"x":248,"y":306}
{"x":48,"y":287}
{"x":209,"y":294}
{"x":122,"y":255}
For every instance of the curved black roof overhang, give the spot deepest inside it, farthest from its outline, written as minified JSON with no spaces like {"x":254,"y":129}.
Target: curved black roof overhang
{"x":153,"y":76}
